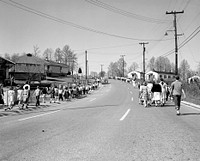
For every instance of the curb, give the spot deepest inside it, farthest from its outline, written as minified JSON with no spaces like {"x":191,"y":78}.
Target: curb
{"x":191,"y":104}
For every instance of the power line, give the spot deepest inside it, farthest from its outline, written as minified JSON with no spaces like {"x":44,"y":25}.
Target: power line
{"x":188,"y":39}
{"x":108,"y":47}
{"x":53,"y":18}
{"x":124,"y":13}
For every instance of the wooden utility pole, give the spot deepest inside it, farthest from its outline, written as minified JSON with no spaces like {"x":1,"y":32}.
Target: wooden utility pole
{"x":86,"y":65}
{"x":175,"y":36}
{"x":123,"y":63}
{"x":101,"y":70}
{"x":143,"y":45}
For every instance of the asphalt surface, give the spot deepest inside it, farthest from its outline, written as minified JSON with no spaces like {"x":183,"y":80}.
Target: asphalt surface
{"x":107,"y":125}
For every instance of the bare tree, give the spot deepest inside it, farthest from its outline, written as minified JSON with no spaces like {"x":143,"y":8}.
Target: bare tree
{"x":198,"y":68}
{"x":36,"y":50}
{"x":7,"y":56}
{"x":14,"y":57}
{"x":184,"y":69}
{"x":163,"y":64}
{"x":69,"y":58}
{"x":113,"y":69}
{"x":121,"y":66}
{"x":58,"y":55}
{"x":134,"y":66}
{"x":151,"y":64}
{"x":48,"y":54}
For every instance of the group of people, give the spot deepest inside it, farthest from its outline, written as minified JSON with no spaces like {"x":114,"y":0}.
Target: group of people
{"x":159,"y":92}
{"x":20,"y":95}
{"x":62,"y":93}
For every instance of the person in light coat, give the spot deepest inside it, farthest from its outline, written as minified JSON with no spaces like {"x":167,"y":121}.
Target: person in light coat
{"x":163,"y":92}
{"x":20,"y":96}
{"x":11,"y":98}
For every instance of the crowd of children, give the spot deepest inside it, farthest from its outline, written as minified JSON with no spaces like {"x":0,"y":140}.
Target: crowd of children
{"x":20,"y":95}
{"x":154,"y":93}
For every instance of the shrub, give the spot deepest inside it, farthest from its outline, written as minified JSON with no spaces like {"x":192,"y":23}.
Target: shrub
{"x":192,"y":91}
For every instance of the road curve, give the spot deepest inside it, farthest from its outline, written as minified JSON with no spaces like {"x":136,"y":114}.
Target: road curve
{"x":108,"y":125}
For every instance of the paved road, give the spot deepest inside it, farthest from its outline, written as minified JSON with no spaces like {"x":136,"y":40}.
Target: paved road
{"x":108,"y":125}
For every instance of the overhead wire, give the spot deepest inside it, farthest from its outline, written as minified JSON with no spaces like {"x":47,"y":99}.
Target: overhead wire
{"x":107,"y":47}
{"x":173,"y":50}
{"x":56,"y":19}
{"x":189,"y":38}
{"x":183,"y":43}
{"x":123,"y":12}
{"x":164,"y":29}
{"x":188,"y":46}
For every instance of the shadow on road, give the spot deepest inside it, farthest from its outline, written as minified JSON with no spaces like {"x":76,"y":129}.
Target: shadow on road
{"x":159,"y":106}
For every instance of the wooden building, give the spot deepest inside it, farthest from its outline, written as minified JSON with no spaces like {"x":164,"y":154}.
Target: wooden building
{"x":157,"y":75}
{"x":5,"y":67}
{"x":31,"y":68}
{"x":55,"y":69}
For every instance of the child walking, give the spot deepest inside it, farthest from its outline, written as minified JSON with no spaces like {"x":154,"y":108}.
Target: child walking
{"x":20,"y":96}
{"x":37,"y":96}
{"x":11,"y":95}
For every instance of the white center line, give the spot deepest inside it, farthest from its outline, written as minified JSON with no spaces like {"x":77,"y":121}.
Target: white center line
{"x":92,"y":99}
{"x":132,"y":99}
{"x":27,"y":118}
{"x":124,"y":116}
{"x":131,"y":92}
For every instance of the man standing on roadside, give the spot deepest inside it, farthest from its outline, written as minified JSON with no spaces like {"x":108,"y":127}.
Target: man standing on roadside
{"x":177,"y":91}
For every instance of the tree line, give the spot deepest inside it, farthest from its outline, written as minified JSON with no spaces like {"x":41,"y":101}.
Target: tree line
{"x":161,"y":64}
{"x":64,"y":55}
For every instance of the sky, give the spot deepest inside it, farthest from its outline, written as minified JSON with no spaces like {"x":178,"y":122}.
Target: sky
{"x":107,"y":29}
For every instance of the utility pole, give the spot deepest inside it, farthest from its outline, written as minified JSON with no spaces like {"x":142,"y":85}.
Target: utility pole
{"x":123,"y":63}
{"x":73,"y":70}
{"x":143,"y":45}
{"x":86,"y":65}
{"x":175,"y":36}
{"x":101,"y":70}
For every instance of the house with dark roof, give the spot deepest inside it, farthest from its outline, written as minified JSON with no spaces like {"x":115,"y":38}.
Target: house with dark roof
{"x":55,"y":69}
{"x":31,"y":68}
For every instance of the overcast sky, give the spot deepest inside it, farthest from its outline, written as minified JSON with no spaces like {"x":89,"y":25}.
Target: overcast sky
{"x":105,"y":28}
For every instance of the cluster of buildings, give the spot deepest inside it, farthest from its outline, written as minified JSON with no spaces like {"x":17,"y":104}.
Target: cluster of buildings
{"x":152,"y":75}
{"x":169,"y":77}
{"x":29,"y":68}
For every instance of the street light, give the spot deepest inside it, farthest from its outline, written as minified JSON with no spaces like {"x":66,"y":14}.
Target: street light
{"x":176,"y":47}
{"x":166,"y":33}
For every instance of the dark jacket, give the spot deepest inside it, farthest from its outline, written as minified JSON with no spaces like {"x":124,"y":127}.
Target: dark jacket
{"x":156,"y":88}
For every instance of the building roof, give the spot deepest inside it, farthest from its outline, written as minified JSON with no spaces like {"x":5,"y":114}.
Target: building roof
{"x":162,"y":72}
{"x":50,"y":62}
{"x":130,"y":75}
{"x":7,"y":60}
{"x":30,"y":59}
{"x":195,"y":77}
